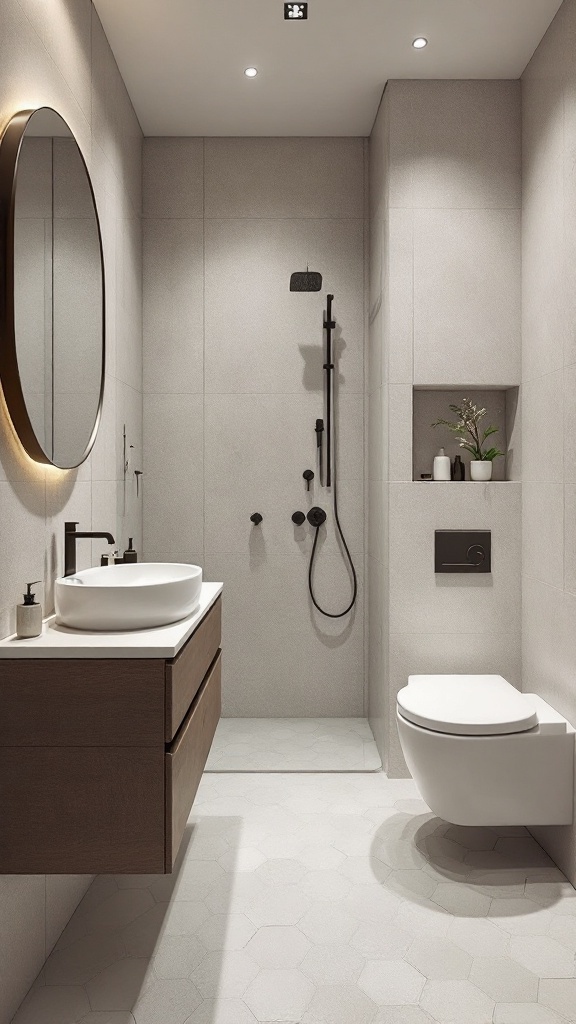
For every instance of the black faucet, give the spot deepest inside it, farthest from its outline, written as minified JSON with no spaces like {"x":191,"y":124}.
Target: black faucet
{"x":71,"y":535}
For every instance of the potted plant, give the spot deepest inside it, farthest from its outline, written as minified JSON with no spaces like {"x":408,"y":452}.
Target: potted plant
{"x":471,"y":437}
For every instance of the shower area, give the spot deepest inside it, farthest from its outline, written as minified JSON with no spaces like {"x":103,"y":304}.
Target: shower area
{"x":254,"y":429}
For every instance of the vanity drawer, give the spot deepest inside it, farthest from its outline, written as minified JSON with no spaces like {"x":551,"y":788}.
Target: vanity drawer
{"x":187,"y":756}
{"x":184,"y":674}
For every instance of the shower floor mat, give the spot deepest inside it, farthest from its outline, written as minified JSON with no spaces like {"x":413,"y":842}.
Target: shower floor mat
{"x":293,"y":745}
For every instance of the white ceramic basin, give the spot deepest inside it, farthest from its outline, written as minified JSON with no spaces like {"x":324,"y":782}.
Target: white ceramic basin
{"x":139,"y":595}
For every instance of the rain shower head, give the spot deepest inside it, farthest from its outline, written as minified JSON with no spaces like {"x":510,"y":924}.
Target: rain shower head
{"x":305,"y":281}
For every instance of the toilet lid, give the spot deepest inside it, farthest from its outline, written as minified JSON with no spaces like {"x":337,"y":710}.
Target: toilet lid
{"x":466,"y":705}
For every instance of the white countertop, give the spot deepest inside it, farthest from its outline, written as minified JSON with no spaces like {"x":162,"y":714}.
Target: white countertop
{"x":63,"y":642}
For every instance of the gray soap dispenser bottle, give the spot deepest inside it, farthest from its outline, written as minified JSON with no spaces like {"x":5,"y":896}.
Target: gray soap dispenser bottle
{"x":29,"y":615}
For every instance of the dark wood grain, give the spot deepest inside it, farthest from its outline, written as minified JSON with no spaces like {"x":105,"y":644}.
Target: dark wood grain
{"x":185,"y":673}
{"x":81,"y":810}
{"x":87,"y":784}
{"x":85,"y":702}
{"x":187,"y":756}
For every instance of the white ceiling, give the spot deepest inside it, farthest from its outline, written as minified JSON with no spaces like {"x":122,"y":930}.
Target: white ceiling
{"x":183,"y":60}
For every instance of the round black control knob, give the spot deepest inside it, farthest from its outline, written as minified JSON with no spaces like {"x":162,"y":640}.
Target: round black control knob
{"x":256,"y":518}
{"x":316,"y":516}
{"x":308,"y":476}
{"x":298,"y":518}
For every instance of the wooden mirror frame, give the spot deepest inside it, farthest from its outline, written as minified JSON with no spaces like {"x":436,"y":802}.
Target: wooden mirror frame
{"x":10,"y":381}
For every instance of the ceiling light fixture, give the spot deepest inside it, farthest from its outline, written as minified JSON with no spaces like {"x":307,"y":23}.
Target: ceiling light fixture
{"x":251,"y":72}
{"x":420,"y":43}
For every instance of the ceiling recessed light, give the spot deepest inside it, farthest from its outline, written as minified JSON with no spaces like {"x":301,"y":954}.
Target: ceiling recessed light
{"x":251,"y":72}
{"x":420,"y":43}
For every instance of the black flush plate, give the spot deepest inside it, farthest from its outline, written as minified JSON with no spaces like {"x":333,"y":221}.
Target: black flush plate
{"x":295,"y":12}
{"x":462,"y":551}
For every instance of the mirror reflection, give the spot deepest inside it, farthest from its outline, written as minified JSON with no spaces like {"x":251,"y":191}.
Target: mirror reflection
{"x":58,"y":290}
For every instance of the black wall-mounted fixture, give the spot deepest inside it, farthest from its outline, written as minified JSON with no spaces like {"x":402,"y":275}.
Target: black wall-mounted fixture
{"x":305,"y":281}
{"x":298,"y":518}
{"x":308,"y":476}
{"x":462,"y":551}
{"x":319,"y":429}
{"x":295,"y":12}
{"x":256,"y":518}
{"x":316,"y":516}
{"x":329,"y":326}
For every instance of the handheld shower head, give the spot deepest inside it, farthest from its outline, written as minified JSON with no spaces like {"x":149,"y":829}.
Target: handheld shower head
{"x":306,"y":281}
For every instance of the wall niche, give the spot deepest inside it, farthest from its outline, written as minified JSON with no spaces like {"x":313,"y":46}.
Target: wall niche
{"x":433,"y":403}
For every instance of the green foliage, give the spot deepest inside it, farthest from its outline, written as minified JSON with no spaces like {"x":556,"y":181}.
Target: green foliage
{"x":468,"y":431}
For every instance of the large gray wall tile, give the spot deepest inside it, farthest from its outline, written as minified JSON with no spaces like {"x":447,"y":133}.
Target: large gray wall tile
{"x":173,"y":306}
{"x":173,"y":178}
{"x":284,"y":177}
{"x":426,"y":602}
{"x":543,"y":84}
{"x":461,"y":143}
{"x":400,"y":432}
{"x":174,"y":478}
{"x":543,"y":531}
{"x":65,"y":30}
{"x":377,"y":666}
{"x":260,"y":337}
{"x":543,"y":428}
{"x":260,"y":460}
{"x":283,"y":658}
{"x":548,"y":394}
{"x":383,"y":364}
{"x":546,"y":327}
{"x":399,"y":297}
{"x":466,"y":297}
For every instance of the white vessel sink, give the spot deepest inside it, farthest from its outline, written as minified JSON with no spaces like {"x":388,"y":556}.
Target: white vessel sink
{"x":137,"y":595}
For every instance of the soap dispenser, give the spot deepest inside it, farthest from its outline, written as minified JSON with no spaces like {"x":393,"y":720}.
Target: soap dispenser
{"x":442,"y":466}
{"x":29,"y":615}
{"x":130,"y":554}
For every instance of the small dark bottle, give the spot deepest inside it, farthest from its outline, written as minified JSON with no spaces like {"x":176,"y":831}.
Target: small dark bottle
{"x":458,"y":469}
{"x":130,"y":554}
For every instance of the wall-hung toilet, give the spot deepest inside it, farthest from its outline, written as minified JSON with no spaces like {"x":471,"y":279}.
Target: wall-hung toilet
{"x":482,"y":753}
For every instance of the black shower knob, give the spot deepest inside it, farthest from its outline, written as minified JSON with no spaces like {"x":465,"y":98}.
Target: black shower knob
{"x":316,"y":516}
{"x":308,"y":476}
{"x":256,"y":518}
{"x":298,"y":518}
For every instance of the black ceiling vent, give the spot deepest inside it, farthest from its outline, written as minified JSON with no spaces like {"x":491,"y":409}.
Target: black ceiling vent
{"x":295,"y":12}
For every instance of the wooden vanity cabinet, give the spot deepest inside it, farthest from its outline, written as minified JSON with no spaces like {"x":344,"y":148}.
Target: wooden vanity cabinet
{"x":100,"y":758}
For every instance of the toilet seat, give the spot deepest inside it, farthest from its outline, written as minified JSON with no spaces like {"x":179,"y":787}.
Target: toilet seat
{"x":466,"y":705}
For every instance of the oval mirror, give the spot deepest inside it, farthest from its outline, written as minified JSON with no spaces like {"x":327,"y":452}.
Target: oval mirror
{"x":51,"y":290}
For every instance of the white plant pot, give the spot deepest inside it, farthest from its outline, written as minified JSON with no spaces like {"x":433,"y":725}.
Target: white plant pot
{"x":480,"y":470}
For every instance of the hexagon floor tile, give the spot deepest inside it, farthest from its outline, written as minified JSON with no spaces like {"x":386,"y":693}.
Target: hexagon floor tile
{"x":330,"y":898}
{"x":293,"y":745}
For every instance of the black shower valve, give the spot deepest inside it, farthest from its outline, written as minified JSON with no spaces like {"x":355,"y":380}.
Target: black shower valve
{"x":298,"y":518}
{"x":256,"y":518}
{"x":308,"y":476}
{"x":316,"y":516}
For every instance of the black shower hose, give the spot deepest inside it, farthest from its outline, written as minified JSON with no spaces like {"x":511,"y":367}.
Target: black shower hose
{"x":333,"y":615}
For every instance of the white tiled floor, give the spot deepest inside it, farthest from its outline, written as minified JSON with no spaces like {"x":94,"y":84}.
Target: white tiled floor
{"x":321,"y":899}
{"x":293,"y":745}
